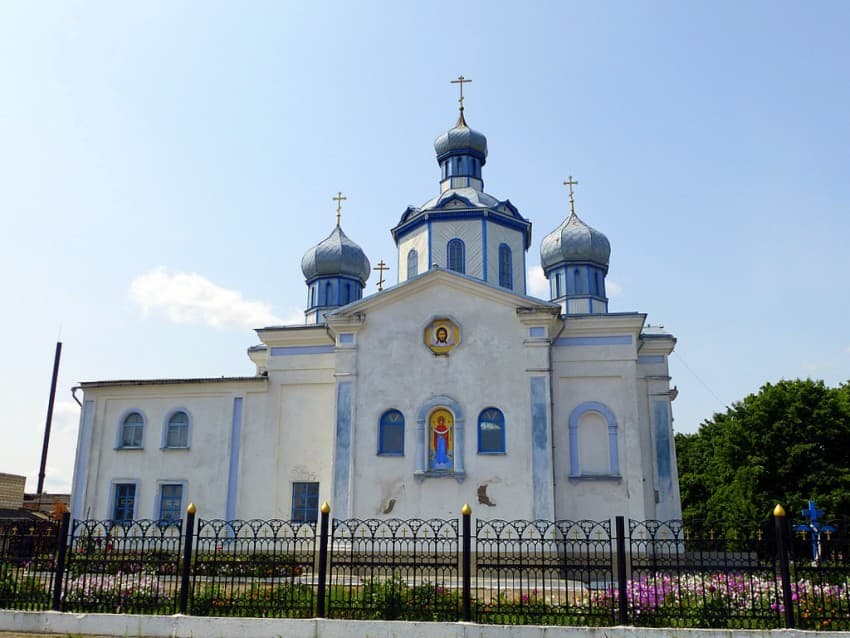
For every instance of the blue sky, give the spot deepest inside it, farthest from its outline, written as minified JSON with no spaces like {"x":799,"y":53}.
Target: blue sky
{"x":163,"y":167}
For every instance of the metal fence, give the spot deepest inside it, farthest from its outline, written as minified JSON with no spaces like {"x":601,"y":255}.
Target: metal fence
{"x":647,"y":573}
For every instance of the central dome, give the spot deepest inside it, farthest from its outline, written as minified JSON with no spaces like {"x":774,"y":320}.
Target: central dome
{"x":461,"y":139}
{"x":336,"y":255}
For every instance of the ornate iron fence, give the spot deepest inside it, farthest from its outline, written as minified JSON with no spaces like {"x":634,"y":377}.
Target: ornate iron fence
{"x":122,"y":567}
{"x":253,"y":568}
{"x":394,"y":569}
{"x":650,"y":573}
{"x":543,"y":572}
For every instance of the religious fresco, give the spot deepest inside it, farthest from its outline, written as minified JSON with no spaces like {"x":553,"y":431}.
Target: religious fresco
{"x":442,"y":335}
{"x":441,"y":440}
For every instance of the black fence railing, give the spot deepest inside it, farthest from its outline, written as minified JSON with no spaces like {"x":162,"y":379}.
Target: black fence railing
{"x":648,"y":573}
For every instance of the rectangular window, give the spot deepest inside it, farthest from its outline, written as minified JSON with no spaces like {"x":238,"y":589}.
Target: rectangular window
{"x":124,"y":506}
{"x":537,"y":331}
{"x":170,"y":502}
{"x":305,"y":502}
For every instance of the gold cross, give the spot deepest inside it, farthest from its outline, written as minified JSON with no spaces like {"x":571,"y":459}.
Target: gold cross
{"x":461,"y":81}
{"x":338,"y":199}
{"x":381,"y":267}
{"x":571,"y":182}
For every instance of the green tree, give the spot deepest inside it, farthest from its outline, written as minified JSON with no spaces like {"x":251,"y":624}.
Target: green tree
{"x":786,"y":444}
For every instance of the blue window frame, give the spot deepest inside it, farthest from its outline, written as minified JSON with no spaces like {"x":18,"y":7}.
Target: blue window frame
{"x":124,"y":502}
{"x":170,"y":502}
{"x":491,"y":431}
{"x":131,"y":434}
{"x":177,"y":430}
{"x":391,"y":434}
{"x":305,"y":502}
{"x":456,"y":252}
{"x":506,"y":267}
{"x":412,"y":263}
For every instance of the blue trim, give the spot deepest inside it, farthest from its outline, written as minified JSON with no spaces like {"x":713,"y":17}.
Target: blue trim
{"x":285,"y":351}
{"x":541,"y":452}
{"x":384,"y":424}
{"x":165,"y":423}
{"x":613,"y":452}
{"x":613,"y":340}
{"x":430,"y":253}
{"x":233,"y":467}
{"x":484,"y":242}
{"x":119,"y":435}
{"x":500,"y":448}
{"x":110,"y":510}
{"x":650,"y":358}
{"x":494,"y":217}
{"x":342,"y":449}
{"x":663,"y":455}
{"x":157,"y":502}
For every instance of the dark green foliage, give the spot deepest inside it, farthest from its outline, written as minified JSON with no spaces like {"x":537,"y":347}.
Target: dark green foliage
{"x":786,"y":444}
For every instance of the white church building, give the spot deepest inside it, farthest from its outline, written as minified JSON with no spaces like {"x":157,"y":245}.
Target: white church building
{"x":452,"y":386}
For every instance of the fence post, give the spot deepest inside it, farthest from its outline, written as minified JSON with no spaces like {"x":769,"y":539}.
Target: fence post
{"x":323,"y":560}
{"x":622,"y":582}
{"x":187,"y":558}
{"x":61,"y":555}
{"x":466,"y":558}
{"x":784,"y":568}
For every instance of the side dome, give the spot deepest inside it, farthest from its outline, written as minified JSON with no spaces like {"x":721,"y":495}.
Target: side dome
{"x":461,"y":139}
{"x":574,"y":241}
{"x":336,"y":255}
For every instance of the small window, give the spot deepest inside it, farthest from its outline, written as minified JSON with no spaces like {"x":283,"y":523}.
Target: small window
{"x":124,"y":505}
{"x":577,"y":287}
{"x":491,"y":432}
{"x":559,"y":286}
{"x":170,"y":502}
{"x":305,"y":502}
{"x":391,"y":434}
{"x":412,"y":263}
{"x":506,"y":269}
{"x":132,"y":431}
{"x":456,"y":252}
{"x":177,"y":430}
{"x":328,"y":293}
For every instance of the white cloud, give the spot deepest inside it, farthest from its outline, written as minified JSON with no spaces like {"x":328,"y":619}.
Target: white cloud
{"x":613,"y":289}
{"x":191,"y":298}
{"x":538,"y":285}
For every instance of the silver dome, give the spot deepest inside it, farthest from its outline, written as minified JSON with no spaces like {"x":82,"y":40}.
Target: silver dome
{"x":336,"y":255}
{"x":461,"y":137}
{"x":574,"y":241}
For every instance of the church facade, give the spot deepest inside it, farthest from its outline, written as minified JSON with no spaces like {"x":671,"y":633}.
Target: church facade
{"x":452,"y":386}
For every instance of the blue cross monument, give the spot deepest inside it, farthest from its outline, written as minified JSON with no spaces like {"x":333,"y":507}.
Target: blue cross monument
{"x":813,"y":527}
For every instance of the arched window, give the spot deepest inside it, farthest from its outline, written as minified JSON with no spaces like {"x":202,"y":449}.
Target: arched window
{"x":391,"y":434}
{"x":506,"y":267}
{"x":177,"y":430}
{"x":491,"y":431}
{"x":456,"y":252}
{"x":412,"y":263}
{"x":132,"y":431}
{"x":559,"y":286}
{"x":593,"y":442}
{"x":312,"y":295}
{"x":328,"y":291}
{"x":577,"y":282}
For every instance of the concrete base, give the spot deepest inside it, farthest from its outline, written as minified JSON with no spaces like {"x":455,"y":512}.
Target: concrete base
{"x":137,"y":626}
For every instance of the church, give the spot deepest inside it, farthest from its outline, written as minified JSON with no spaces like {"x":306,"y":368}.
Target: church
{"x":452,"y":386}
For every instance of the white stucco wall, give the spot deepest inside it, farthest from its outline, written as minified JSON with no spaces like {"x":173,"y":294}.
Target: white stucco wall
{"x":396,"y":370}
{"x":418,"y":240}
